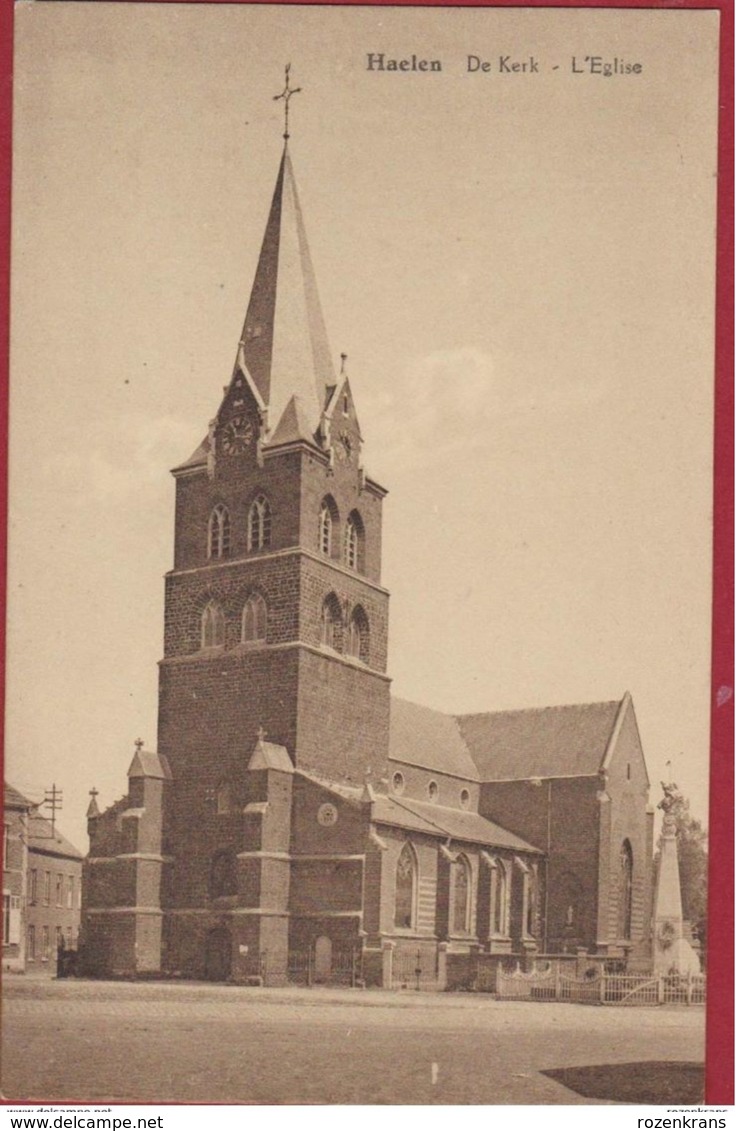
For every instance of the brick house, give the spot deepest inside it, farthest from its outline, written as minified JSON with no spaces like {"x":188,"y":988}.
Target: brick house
{"x":42,"y":882}
{"x":293,"y":812}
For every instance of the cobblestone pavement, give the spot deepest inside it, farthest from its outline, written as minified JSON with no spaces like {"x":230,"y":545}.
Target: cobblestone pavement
{"x":192,"y":1042}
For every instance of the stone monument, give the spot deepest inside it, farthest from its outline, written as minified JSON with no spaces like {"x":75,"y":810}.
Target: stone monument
{"x":672,"y":952}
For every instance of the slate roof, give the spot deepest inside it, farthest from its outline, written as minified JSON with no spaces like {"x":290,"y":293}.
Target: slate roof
{"x":435,"y":820}
{"x":14,"y":799}
{"x":422,"y":737}
{"x":547,"y":742}
{"x":41,"y":839}
{"x":544,"y":742}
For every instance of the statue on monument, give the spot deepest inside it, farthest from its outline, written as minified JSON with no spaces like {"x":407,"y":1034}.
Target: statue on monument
{"x":672,"y":951}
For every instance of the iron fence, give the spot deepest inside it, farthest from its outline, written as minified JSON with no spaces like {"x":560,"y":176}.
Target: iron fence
{"x":550,"y":981}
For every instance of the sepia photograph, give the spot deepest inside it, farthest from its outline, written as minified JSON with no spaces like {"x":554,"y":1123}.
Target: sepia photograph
{"x":358,"y":686}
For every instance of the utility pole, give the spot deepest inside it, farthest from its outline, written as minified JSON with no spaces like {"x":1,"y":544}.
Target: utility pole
{"x":53,"y":800}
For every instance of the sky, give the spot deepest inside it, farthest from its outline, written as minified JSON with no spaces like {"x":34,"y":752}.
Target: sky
{"x":520,"y":268}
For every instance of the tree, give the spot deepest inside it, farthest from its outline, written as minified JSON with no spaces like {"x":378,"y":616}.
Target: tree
{"x":692,"y":858}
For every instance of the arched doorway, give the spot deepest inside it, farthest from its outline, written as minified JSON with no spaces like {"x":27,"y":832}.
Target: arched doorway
{"x":218,"y":955}
{"x":322,"y":958}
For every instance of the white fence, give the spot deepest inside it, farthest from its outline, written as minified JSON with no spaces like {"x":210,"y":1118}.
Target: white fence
{"x":551,"y":982}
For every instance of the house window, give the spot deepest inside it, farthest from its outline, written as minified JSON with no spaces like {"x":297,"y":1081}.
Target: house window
{"x":398,"y":782}
{"x":461,"y":896}
{"x":406,"y":876}
{"x":500,"y":900}
{"x":47,"y":889}
{"x":223,"y":879}
{"x":59,"y":891}
{"x":44,"y":942}
{"x":70,"y":892}
{"x":433,"y":791}
{"x":357,"y":643}
{"x":218,"y":533}
{"x":332,"y":623}
{"x":254,"y":619}
{"x":59,"y":939}
{"x":465,"y":798}
{"x":6,"y":847}
{"x":213,"y":626}
{"x":626,"y":888}
{"x":6,"y":919}
{"x":259,"y":524}
{"x":31,"y":942}
{"x":32,"y":885}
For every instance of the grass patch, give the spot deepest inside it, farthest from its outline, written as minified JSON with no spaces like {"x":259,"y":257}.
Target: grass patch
{"x":645,"y":1082}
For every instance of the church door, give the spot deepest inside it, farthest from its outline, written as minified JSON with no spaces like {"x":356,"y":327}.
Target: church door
{"x":322,"y":959}
{"x":218,"y":955}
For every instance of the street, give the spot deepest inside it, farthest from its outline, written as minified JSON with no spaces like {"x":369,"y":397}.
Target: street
{"x":195,"y":1042}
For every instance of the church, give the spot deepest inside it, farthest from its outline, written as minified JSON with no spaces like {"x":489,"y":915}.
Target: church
{"x":295,"y":821}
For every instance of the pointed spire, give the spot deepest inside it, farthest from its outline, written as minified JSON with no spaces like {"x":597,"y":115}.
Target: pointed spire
{"x":284,"y":342}
{"x":93,"y":809}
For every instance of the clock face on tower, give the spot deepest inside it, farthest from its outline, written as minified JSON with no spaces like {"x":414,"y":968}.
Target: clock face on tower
{"x":237,"y":436}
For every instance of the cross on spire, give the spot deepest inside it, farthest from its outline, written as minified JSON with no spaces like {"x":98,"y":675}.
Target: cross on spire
{"x":94,"y":793}
{"x":261,"y":734}
{"x":286,"y":94}
{"x":138,"y":745}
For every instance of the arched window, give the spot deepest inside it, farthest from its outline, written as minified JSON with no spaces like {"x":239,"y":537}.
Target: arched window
{"x":223,"y":878}
{"x":255,"y":615}
{"x":500,"y":900}
{"x":531,"y":903}
{"x":626,"y":887}
{"x":213,"y":626}
{"x":358,"y":636}
{"x":461,"y":895}
{"x":354,"y":540}
{"x":223,"y":798}
{"x":259,"y":524}
{"x":218,"y":533}
{"x":328,"y":519}
{"x":332,"y":623}
{"x":406,"y":878}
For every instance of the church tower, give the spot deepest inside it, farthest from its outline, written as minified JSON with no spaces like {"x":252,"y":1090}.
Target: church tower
{"x":275,"y":619}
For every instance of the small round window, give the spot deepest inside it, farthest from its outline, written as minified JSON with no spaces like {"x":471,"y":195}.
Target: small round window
{"x":398,"y":782}
{"x":465,"y":798}
{"x":433,"y":790}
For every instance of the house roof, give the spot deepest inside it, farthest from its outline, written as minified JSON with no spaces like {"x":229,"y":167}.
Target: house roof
{"x":438,"y":820}
{"x":422,"y":737}
{"x":41,"y":838}
{"x":14,"y":799}
{"x":546,"y":742}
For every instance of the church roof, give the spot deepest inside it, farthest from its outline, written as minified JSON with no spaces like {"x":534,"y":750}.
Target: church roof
{"x":545,"y":742}
{"x":270,"y":756}
{"x":293,"y":425}
{"x":422,"y":737}
{"x":437,"y":820}
{"x":284,"y":341}
{"x":149,"y":764}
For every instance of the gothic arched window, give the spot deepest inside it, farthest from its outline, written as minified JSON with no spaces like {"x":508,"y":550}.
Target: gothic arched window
{"x":255,"y":614}
{"x":332,"y":623}
{"x":259,"y":524}
{"x":406,"y":879}
{"x":461,"y":895}
{"x":223,"y":798}
{"x":328,"y":519}
{"x":500,"y":900}
{"x":213,"y":626}
{"x":354,"y":540}
{"x":626,"y":887}
{"x":218,"y":533}
{"x":358,"y":635}
{"x":223,"y":877}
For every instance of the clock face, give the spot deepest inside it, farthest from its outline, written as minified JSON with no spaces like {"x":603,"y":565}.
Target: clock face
{"x":344,"y":446}
{"x":237,"y":435}
{"x":327,"y":814}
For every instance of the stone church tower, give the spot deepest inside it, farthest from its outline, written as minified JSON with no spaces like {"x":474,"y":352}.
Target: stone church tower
{"x":294,"y":821}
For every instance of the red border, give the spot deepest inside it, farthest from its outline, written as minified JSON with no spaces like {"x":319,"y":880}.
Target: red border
{"x":719,"y":1022}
